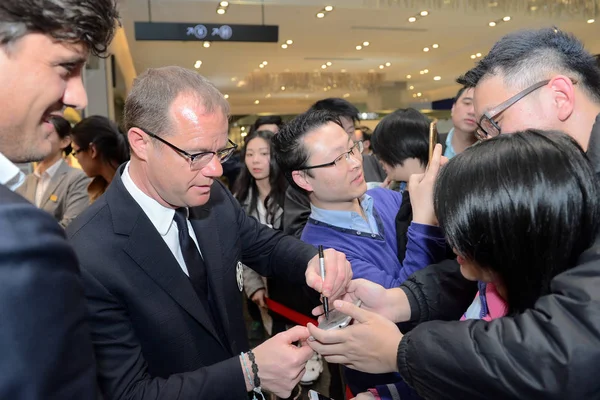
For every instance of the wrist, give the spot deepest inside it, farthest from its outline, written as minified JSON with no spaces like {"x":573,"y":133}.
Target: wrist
{"x":398,"y":302}
{"x":244,"y":363}
{"x":392,"y":351}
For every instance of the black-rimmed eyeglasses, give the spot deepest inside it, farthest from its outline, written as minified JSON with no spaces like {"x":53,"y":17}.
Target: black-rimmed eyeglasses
{"x":487,"y":128}
{"x":355,"y":151}
{"x":198,"y":160}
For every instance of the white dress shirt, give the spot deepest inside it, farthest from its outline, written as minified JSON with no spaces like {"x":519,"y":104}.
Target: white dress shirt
{"x":161,"y":217}
{"x":44,"y":180}
{"x":10,"y":175}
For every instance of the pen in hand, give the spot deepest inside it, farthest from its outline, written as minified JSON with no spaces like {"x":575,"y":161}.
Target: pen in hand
{"x":322,"y":266}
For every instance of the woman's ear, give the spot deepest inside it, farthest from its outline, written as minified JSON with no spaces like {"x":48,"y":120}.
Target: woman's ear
{"x":65,"y":142}
{"x":93,"y":151}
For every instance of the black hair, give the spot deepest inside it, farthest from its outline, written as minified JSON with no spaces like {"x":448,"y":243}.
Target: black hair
{"x":265,"y":120}
{"x":91,"y":22}
{"x":290,"y":153}
{"x":530,"y":56}
{"x":63,"y":129}
{"x":459,"y":93}
{"x":245,"y":181}
{"x":110,"y":143}
{"x":340,"y":107}
{"x":401,"y":135}
{"x":366,"y":132}
{"x":523,"y":205}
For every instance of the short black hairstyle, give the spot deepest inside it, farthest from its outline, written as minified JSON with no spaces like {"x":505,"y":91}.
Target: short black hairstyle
{"x":526,"y":57}
{"x":523,"y":205}
{"x":110,"y":143}
{"x":401,"y":135}
{"x":459,"y":93}
{"x":367,"y":133}
{"x":340,"y":107}
{"x":63,"y":129}
{"x":91,"y":22}
{"x":266,"y":119}
{"x":290,"y":153}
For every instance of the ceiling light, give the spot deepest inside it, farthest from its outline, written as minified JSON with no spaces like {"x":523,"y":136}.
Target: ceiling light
{"x":381,"y":66}
{"x":425,"y":49}
{"x":366,"y":44}
{"x":234,"y":78}
{"x":328,"y":63}
{"x":419,"y":94}
{"x":533,"y":8}
{"x":226,"y":96}
{"x":358,"y":47}
{"x":591,"y":21}
{"x":388,"y":64}
{"x":478,"y":55}
{"x":320,"y":14}
{"x":328,"y":8}
{"x":323,"y":66}
{"x":412,"y":19}
{"x":408,"y":76}
{"x":411,"y":87}
{"x":256,"y":101}
{"x":343,"y":70}
{"x":435,"y":46}
{"x":421,"y":72}
{"x":414,"y":95}
{"x":206,"y":44}
{"x":283,"y":88}
{"x":425,"y":71}
{"x":289,"y":41}
{"x":198,"y":64}
{"x":437,"y":78}
{"x":324,"y":89}
{"x":473,"y":56}
{"x":424,"y":13}
{"x":268,"y":95}
{"x":220,"y":11}
{"x":224,"y":4}
{"x":261,"y":66}
{"x":284,"y":46}
{"x":244,"y":134}
{"x":265,"y":63}
{"x":492,"y":24}
{"x":346,"y":95}
{"x":506,"y":19}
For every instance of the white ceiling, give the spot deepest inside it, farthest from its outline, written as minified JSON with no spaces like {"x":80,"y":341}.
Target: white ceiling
{"x":458,"y":31}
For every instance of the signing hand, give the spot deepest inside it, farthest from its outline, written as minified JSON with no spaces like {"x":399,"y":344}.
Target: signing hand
{"x":370,"y":344}
{"x":338,"y":274}
{"x":420,"y":187}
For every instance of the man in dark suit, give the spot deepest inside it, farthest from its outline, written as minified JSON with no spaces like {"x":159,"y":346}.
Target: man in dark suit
{"x":162,"y":251}
{"x":45,"y":346}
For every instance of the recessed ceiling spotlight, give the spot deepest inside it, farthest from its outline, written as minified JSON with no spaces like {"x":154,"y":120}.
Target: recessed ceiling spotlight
{"x":359,"y":47}
{"x":473,"y":56}
{"x":419,"y":94}
{"x":506,"y":19}
{"x":435,"y":45}
{"x":206,"y":44}
{"x":478,"y":55}
{"x":437,"y":78}
{"x":198,"y":64}
{"x":320,"y":15}
{"x":283,"y":88}
{"x":284,"y":46}
{"x":328,"y":63}
{"x":424,"y":13}
{"x":412,"y":19}
{"x":323,"y":66}
{"x":366,"y":44}
{"x":421,"y":72}
{"x":226,"y":96}
{"x":265,"y":63}
{"x":425,"y":71}
{"x":328,"y":8}
{"x":220,"y":11}
{"x":414,"y":95}
{"x":224,"y":4}
{"x":425,"y":49}
{"x":261,"y":66}
{"x":492,"y":24}
{"x":256,"y":101}
{"x":591,"y":21}
{"x":346,"y":95}
{"x":289,"y":41}
{"x":268,"y":95}
{"x":388,"y":64}
{"x":381,"y":66}
{"x":408,"y":76}
{"x":411,"y":87}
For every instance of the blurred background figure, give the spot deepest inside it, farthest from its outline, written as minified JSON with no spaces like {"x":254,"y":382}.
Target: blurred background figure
{"x":56,"y":187}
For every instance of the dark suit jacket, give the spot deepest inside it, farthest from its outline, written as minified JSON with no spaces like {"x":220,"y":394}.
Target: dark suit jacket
{"x":46,"y":348}
{"x":151,"y":335}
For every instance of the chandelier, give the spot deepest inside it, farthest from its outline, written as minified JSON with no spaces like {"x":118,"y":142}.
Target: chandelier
{"x":543,"y":8}
{"x":311,"y":82}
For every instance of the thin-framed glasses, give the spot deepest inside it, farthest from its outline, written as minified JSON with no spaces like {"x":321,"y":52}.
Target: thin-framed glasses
{"x":488,"y":128}
{"x":355,"y":151}
{"x":198,"y":160}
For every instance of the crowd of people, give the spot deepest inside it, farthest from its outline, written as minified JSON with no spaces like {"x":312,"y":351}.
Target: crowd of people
{"x":476,"y":268}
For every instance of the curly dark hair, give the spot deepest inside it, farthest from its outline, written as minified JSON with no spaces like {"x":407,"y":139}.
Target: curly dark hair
{"x":91,"y":22}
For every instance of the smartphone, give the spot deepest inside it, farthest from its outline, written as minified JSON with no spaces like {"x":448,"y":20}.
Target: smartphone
{"x":312,"y":395}
{"x":433,"y":138}
{"x":337,"y":319}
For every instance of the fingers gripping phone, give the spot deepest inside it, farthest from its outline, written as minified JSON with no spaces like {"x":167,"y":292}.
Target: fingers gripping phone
{"x":312,"y":395}
{"x":433,"y":139}
{"x":337,"y":319}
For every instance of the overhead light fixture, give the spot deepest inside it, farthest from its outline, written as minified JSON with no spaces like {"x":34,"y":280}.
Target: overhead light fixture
{"x":359,"y":47}
{"x":328,"y":8}
{"x":220,"y":11}
{"x":328,"y":63}
{"x":425,"y":71}
{"x":366,"y":44}
{"x":224,"y":4}
{"x":346,"y":95}
{"x":473,"y":56}
{"x":206,"y":44}
{"x":492,"y":24}
{"x":261,"y":66}
{"x":284,"y":46}
{"x":320,"y":15}
{"x":421,"y":72}
{"x":414,"y":95}
{"x":289,"y":41}
{"x":268,"y":95}
{"x":408,"y":76}
{"x":506,"y":19}
{"x":424,"y":13}
{"x":412,"y":19}
{"x":226,"y":96}
{"x":419,"y":94}
{"x":425,"y":49}
{"x":435,"y":45}
{"x":478,"y":55}
{"x":323,"y":66}
{"x":283,"y":88}
{"x":591,"y":21}
{"x":265,"y":63}
{"x":437,"y":78}
{"x":388,"y":64}
{"x":411,"y":87}
{"x":198,"y":64}
{"x":256,"y":101}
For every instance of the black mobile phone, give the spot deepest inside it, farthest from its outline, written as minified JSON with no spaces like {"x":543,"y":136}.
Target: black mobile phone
{"x":312,"y":395}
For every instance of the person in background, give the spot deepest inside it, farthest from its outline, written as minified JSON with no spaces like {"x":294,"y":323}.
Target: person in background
{"x":56,"y":187}
{"x":364,"y":133}
{"x":100,"y":148}
{"x":44,"y":334}
{"x":462,"y":134}
{"x":509,"y":236}
{"x":271,"y":123}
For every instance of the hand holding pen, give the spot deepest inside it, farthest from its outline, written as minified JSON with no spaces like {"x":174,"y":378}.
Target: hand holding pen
{"x":338,"y":274}
{"x":322,"y":269}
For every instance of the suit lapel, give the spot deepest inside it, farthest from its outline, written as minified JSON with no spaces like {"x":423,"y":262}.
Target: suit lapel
{"x":54,"y":182}
{"x":32,"y":182}
{"x":208,"y":240}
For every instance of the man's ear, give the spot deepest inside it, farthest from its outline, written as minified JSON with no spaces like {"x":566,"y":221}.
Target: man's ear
{"x":300,"y":179}
{"x":139,"y":143}
{"x":563,"y":96}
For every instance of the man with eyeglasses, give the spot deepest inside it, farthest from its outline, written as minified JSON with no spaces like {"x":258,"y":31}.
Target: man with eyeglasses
{"x":541,"y":79}
{"x":161,"y":256}
{"x":319,"y":158}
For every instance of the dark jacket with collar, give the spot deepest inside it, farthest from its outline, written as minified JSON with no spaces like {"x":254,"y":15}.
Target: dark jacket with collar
{"x":551,"y":351}
{"x":152,"y":338}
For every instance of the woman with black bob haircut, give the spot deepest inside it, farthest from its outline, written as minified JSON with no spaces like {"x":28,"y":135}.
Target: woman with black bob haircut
{"x":100,"y":148}
{"x":518,"y":209}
